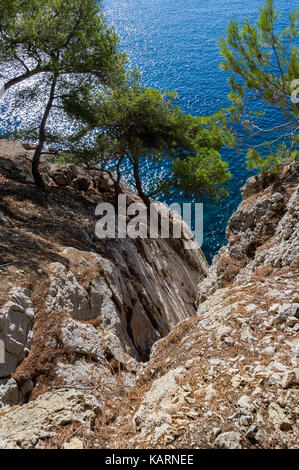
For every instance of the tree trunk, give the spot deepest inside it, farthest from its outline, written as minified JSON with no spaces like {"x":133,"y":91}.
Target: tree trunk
{"x":117,"y":181}
{"x":141,"y":194}
{"x":42,"y":137}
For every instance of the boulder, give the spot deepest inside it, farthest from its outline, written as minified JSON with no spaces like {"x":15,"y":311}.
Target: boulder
{"x":84,"y":373}
{"x":289,"y":379}
{"x":252,"y":186}
{"x":104,"y":182}
{"x":288,"y":310}
{"x":83,"y":339}
{"x":9,"y":393}
{"x":82,"y":183}
{"x":63,"y":175}
{"x":26,"y":426}
{"x":279,"y":417}
{"x":16,"y":320}
{"x":229,"y":440}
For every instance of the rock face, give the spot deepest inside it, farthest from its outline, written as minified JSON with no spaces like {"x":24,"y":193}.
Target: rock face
{"x":241,"y":353}
{"x":16,"y":320}
{"x":136,"y":343}
{"x":262,"y":233}
{"x":69,"y":298}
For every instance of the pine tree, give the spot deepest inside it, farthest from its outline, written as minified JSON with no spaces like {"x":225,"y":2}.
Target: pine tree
{"x":264,"y":63}
{"x":138,"y":123}
{"x":64,"y":44}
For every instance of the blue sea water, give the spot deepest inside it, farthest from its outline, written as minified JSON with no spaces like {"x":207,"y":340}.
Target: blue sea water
{"x":174,"y":44}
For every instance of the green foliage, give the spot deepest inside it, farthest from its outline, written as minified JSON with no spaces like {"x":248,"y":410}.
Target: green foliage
{"x":136,"y":122}
{"x":263,"y":62}
{"x":205,"y":172}
{"x":66,"y":39}
{"x":65,"y":36}
{"x":73,"y":55}
{"x":67,"y":46}
{"x":272,"y":163}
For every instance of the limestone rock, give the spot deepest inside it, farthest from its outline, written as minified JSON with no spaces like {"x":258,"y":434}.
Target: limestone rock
{"x":113,"y":347}
{"x":83,"y":339}
{"x":289,"y":379}
{"x":26,"y":426}
{"x":68,"y":295}
{"x":16,"y":320}
{"x":117,"y":300}
{"x":244,"y":402}
{"x":9,"y":393}
{"x":74,"y":443}
{"x":252,"y":186}
{"x":223,"y":332}
{"x":85,"y":374}
{"x":158,"y":404}
{"x":288,"y":310}
{"x":64,"y":175}
{"x":11,"y":161}
{"x":229,"y":440}
{"x":260,"y":437}
{"x":278,"y":417}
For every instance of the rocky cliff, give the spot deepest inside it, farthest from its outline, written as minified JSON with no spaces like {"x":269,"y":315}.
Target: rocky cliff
{"x":229,"y":378}
{"x":136,"y":343}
